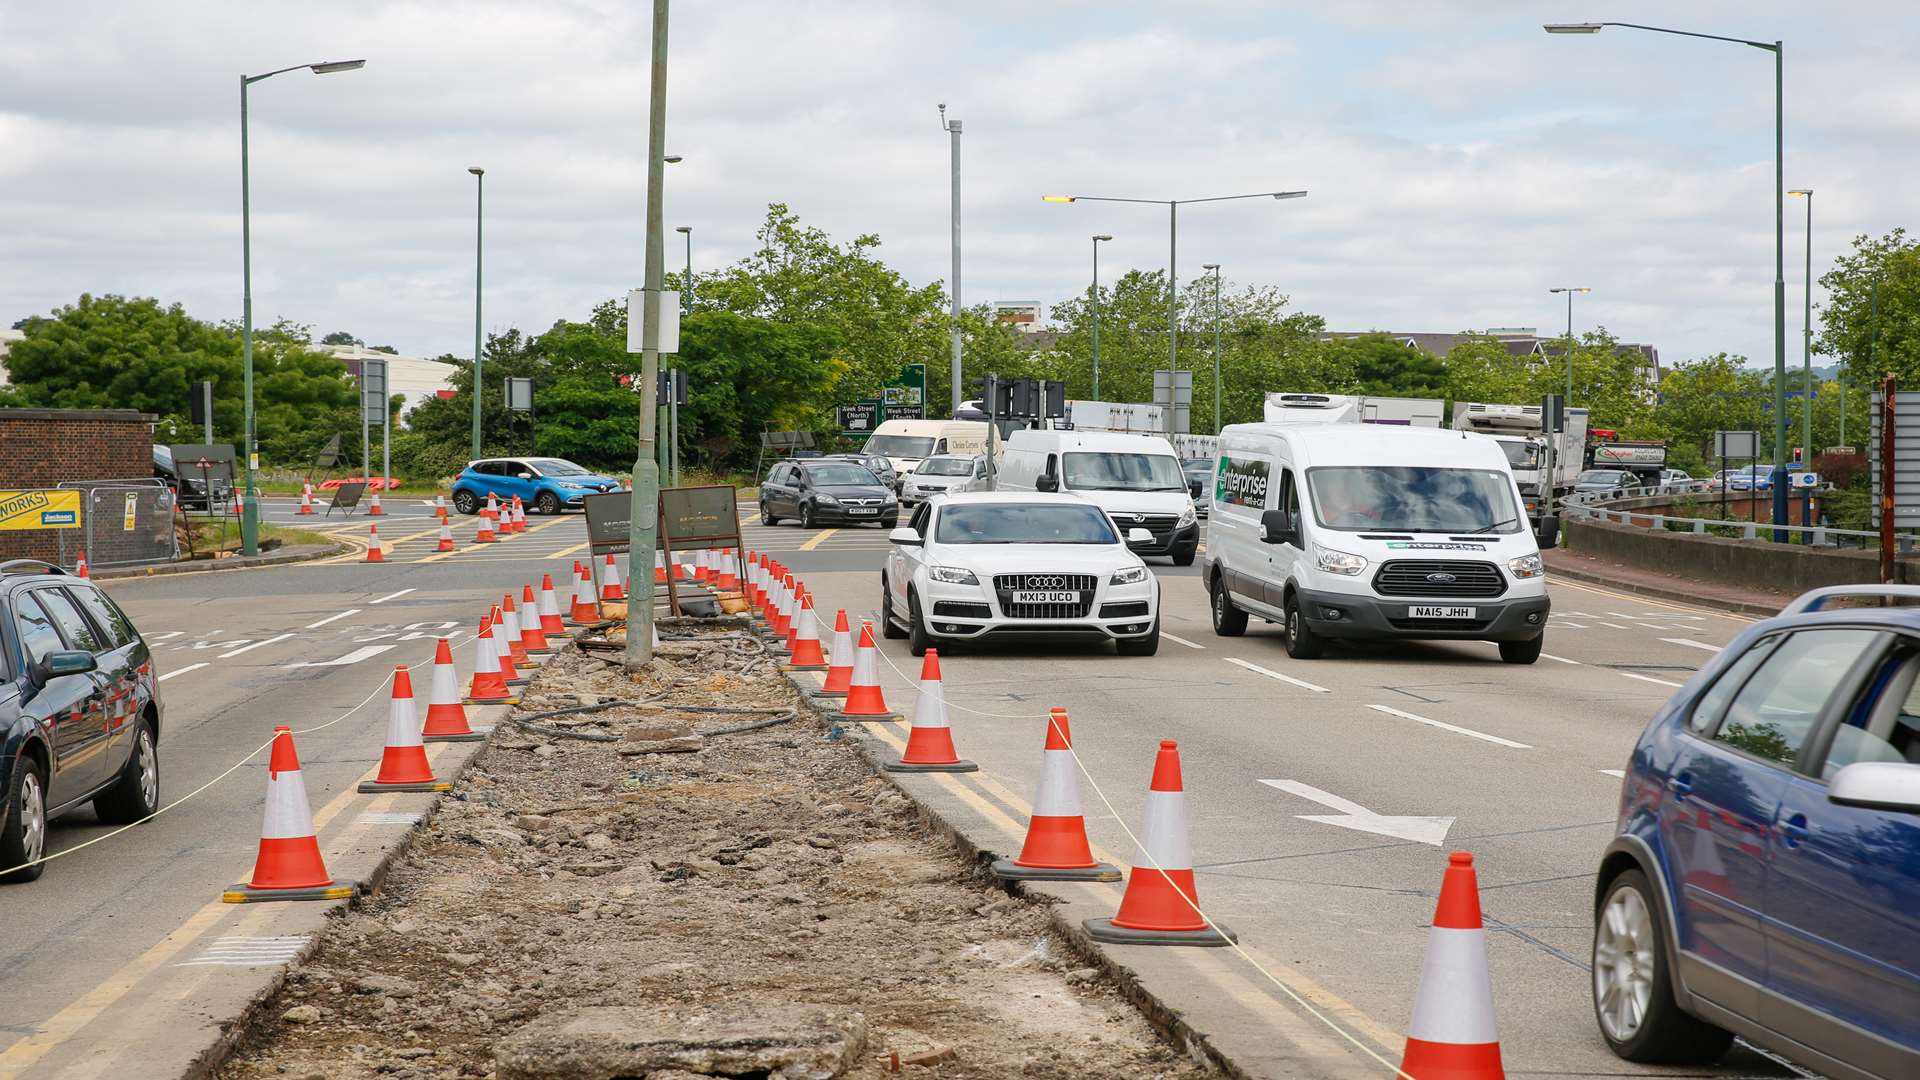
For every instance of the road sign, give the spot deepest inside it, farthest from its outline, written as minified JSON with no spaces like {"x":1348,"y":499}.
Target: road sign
{"x":373,"y":391}
{"x":669,"y":321}
{"x":1739,"y":445}
{"x":859,"y":418}
{"x":904,"y":397}
{"x":1174,"y":390}
{"x":1906,"y":456}
{"x":519,"y":394}
{"x":132,"y":513}
{"x":609,"y":522}
{"x":699,"y":517}
{"x":21,"y":510}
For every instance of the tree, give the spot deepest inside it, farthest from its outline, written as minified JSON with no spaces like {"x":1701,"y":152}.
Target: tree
{"x":1848,"y":322}
{"x":339,"y":337}
{"x":1386,"y":366}
{"x":1715,"y":393}
{"x":1481,"y":369}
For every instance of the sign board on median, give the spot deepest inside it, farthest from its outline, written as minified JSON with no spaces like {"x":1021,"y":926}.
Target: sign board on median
{"x":904,"y":397}
{"x":609,"y":522}
{"x":21,"y":510}
{"x":699,"y":517}
{"x":1738,"y":445}
{"x":669,"y":321}
{"x":860,"y":418}
{"x":1906,"y":456}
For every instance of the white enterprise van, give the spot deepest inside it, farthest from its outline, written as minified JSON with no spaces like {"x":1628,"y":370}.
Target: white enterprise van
{"x":906,"y":443}
{"x":1356,"y":531}
{"x":1136,"y":479}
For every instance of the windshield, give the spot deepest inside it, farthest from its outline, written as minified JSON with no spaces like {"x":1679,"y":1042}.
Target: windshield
{"x":1197,"y":464}
{"x":1601,"y":476}
{"x":553,"y":466}
{"x":952,"y":466}
{"x":1412,"y":499}
{"x":1521,"y":455}
{"x":842,"y":476}
{"x":1123,"y":472}
{"x":1024,"y":523}
{"x":901,"y":446}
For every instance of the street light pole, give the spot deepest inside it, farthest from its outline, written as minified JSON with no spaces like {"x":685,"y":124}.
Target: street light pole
{"x":1096,"y":313}
{"x":479,"y":185}
{"x":1806,"y":341}
{"x":1215,"y":267}
{"x":250,"y":513}
{"x":673,"y":388}
{"x":1570,"y":290}
{"x":952,"y":128}
{"x":644,"y":512}
{"x":686,"y":293}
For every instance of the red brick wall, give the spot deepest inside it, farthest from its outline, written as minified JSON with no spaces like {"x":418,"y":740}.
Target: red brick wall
{"x":39,"y":448}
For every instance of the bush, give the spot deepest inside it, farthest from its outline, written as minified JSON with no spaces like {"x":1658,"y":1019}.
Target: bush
{"x":1848,"y":510}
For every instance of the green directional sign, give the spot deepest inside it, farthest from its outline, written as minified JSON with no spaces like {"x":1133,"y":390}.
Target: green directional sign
{"x":904,"y":397}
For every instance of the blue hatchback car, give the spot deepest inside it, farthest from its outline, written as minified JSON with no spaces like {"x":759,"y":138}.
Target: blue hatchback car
{"x":1764,"y":878}
{"x":545,"y":485}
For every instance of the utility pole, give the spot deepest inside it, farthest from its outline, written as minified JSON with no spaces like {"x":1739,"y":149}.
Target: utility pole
{"x":1215,"y":267}
{"x":479,"y":185}
{"x":1096,"y":314}
{"x":952,"y":128}
{"x":643,"y":531}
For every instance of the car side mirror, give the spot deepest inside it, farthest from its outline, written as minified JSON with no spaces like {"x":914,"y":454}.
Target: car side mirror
{"x":1139,"y":536}
{"x":1046,"y":482}
{"x":69,"y":662}
{"x":1277,"y":528}
{"x":1877,"y":785}
{"x":907,"y":535}
{"x":1548,"y":535}
{"x":524,"y":475}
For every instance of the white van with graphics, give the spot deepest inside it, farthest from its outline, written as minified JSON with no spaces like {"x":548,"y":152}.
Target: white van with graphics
{"x":1136,"y":479}
{"x":1350,"y":531}
{"x":906,"y":443}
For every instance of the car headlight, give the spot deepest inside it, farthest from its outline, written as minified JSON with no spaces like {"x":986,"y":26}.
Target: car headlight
{"x":1186,"y":516}
{"x":1526,"y":566}
{"x":952,"y":575}
{"x":886,"y":498}
{"x":1337,"y":562}
{"x":823,"y":497}
{"x":1132,"y":575}
{"x":570,"y":486}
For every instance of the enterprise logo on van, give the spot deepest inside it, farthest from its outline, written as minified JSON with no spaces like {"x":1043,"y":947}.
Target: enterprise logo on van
{"x":1241,"y":481}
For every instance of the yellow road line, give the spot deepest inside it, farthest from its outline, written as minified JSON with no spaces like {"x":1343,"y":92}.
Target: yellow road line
{"x":574,"y":550}
{"x":818,"y":539}
{"x":1584,"y":587}
{"x":505,"y":539}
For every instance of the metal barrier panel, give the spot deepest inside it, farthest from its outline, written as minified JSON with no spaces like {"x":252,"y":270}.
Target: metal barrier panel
{"x":127,"y":524}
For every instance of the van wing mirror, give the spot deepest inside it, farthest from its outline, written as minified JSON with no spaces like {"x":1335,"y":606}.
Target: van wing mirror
{"x":1548,"y":535}
{"x":1276,"y":527}
{"x":1046,"y":482}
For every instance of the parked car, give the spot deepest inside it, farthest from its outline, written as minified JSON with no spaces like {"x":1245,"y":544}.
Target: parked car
{"x":1005,"y":564}
{"x":1750,"y":478}
{"x":1764,"y":876}
{"x":941,"y":474}
{"x":79,"y":711}
{"x":190,"y":486}
{"x":545,"y":485}
{"x":1199,"y":474}
{"x":1605,"y":480}
{"x":878,"y":463}
{"x":822,"y":491}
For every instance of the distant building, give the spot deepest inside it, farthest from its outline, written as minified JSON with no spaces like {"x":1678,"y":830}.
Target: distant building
{"x":1023,"y":315}
{"x":1522,"y":342}
{"x":7,"y":338}
{"x":416,"y":377}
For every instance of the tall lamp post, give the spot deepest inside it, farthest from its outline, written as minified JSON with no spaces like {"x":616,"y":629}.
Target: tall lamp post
{"x":1215,"y":267}
{"x":1098,"y":238}
{"x":1173,"y":247}
{"x":250,"y":514}
{"x":643,"y":513}
{"x":686,"y":292}
{"x":1779,"y":243}
{"x":952,"y":128}
{"x":1806,"y":366}
{"x":479,"y":184}
{"x":1570,"y":290}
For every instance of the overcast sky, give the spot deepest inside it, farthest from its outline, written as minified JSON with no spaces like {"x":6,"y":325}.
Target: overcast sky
{"x":1459,"y":160}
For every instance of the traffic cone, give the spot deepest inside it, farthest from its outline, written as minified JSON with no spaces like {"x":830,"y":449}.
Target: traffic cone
{"x":795,"y":591}
{"x":806,"y":654}
{"x":519,"y":515}
{"x":584,"y":611}
{"x":502,"y":650}
{"x":723,"y":571}
{"x":446,"y":538}
{"x":864,"y":700}
{"x":489,"y":685}
{"x":288,"y":866}
{"x":610,"y":588}
{"x":374,"y":554}
{"x":769,"y":595}
{"x":493,"y":506}
{"x":403,"y":764}
{"x":440,"y":506}
{"x":446,"y":717}
{"x":659,"y":567}
{"x":550,"y":608}
{"x":533,"y":636}
{"x":702,"y":566}
{"x":750,"y":585}
{"x":1451,"y":1035}
{"x":484,"y":534}
{"x":783,"y":611}
{"x":690,"y":568}
{"x":374,"y":510}
{"x":306,"y":499}
{"x":1056,"y":847}
{"x":510,"y":636}
{"x":840,"y":666}
{"x":930,"y":743}
{"x":1160,"y":906}
{"x":80,"y":565}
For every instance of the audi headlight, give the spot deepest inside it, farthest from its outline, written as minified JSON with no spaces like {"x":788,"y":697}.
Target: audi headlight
{"x":952,"y":575}
{"x":1526,"y":566}
{"x":1337,"y":562}
{"x":1186,"y":516}
{"x":1132,"y":575}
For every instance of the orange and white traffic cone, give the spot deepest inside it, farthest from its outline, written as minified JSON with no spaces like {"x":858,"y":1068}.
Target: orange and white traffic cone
{"x":510,"y":633}
{"x":583,"y":611}
{"x":610,"y":587}
{"x":723,"y":572}
{"x":403,"y":764}
{"x":519,"y":515}
{"x":485,"y":534}
{"x":840,"y":660}
{"x":446,"y":717}
{"x":489,"y":685}
{"x":750,"y":584}
{"x":930,"y":743}
{"x":533,"y":636}
{"x":80,"y":564}
{"x":306,"y":499}
{"x":659,"y":567}
{"x":783,"y":610}
{"x":864,"y":699}
{"x":806,"y":654}
{"x":374,"y":510}
{"x":493,"y":506}
{"x":440,"y":506}
{"x":374,"y":553}
{"x":503,"y":640}
{"x":446,"y":538}
{"x":289,"y":866}
{"x":1451,"y":1035}
{"x":769,"y":598}
{"x":702,"y":565}
{"x":690,"y":568}
{"x":1056,"y":847}
{"x":795,"y":591}
{"x":1160,"y":906}
{"x":549,"y":608}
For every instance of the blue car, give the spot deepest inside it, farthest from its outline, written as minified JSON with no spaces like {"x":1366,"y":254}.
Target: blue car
{"x":545,"y":485}
{"x":1764,"y":877}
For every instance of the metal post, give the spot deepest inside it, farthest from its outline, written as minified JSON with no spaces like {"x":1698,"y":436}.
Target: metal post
{"x":953,"y":131}
{"x":1886,"y":478}
{"x":642,"y":534}
{"x":386,"y":434}
{"x":1569,"y":348}
{"x":686,"y":294}
{"x":250,"y":514}
{"x":1216,"y":348}
{"x":1779,"y":298}
{"x":1173,"y":291}
{"x":1096,"y":317}
{"x":1806,"y":376}
{"x":479,"y":185}
{"x":673,"y":426}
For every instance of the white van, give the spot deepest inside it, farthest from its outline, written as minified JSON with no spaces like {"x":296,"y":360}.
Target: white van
{"x":906,"y":443}
{"x":1136,"y":479}
{"x":1350,"y":531}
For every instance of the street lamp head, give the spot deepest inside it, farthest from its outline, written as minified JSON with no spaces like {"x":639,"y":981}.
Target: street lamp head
{"x":1571,"y":289}
{"x":1289,"y":194}
{"x":1574,"y":28}
{"x":1210,"y":266}
{"x":331,"y":66}
{"x":1101,"y":236}
{"x":683,"y":229}
{"x":673,"y":159}
{"x":1056,"y":198}
{"x":1802,"y":191}
{"x":476,"y":170}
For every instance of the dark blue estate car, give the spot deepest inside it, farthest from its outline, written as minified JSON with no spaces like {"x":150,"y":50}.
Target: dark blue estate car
{"x":79,"y":711}
{"x":1764,"y":879}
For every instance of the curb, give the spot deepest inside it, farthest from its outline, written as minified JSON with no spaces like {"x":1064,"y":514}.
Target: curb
{"x":292,"y":554}
{"x":1678,"y":596}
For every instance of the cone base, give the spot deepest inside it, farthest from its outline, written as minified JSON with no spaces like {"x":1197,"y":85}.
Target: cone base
{"x":464,"y":736}
{"x":835,"y":694}
{"x":517,"y":682}
{"x":869,"y":718}
{"x":1103,"y":930}
{"x":369,"y":787}
{"x":937,"y":766}
{"x":339,"y":889}
{"x":803,"y":667}
{"x":1008,"y":870}
{"x":510,"y":699}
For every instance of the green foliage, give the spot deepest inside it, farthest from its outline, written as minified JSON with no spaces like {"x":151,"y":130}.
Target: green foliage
{"x":1481,"y":369}
{"x":1847,"y":320}
{"x":1384,"y":366}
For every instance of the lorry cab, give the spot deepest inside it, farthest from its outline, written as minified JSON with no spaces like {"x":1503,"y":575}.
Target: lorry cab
{"x":1136,"y":479}
{"x":1356,"y":532}
{"x":906,"y":443}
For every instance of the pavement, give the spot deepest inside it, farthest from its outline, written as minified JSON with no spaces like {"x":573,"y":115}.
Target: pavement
{"x":122,"y":959}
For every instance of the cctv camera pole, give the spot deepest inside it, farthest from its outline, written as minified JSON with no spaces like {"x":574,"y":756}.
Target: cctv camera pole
{"x":953,"y":131}
{"x":644,"y":515}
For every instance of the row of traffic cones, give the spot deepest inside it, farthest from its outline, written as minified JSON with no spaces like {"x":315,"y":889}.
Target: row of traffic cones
{"x":498,"y":518}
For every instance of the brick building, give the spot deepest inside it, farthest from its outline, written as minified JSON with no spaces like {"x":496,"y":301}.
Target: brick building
{"x":40,"y":448}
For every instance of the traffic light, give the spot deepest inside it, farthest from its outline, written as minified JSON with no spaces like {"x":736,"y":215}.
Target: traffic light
{"x":1020,"y":401}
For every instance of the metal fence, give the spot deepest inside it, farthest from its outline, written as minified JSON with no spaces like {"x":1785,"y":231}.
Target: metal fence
{"x":1627,"y":506}
{"x":123,"y":523}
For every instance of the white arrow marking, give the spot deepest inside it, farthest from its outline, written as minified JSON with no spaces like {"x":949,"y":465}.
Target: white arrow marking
{"x":1420,"y":830}
{"x":1691,"y":643}
{"x":353,"y":657}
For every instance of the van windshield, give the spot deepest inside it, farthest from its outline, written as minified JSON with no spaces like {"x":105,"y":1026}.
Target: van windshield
{"x":1521,"y":455}
{"x":901,"y":446}
{"x":1385,"y":498}
{"x":1123,"y":472}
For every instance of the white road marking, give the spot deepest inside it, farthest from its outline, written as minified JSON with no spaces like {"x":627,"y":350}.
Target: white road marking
{"x":1616,"y":626}
{"x":1617,"y":774}
{"x":376,"y":817}
{"x":1625,"y":615}
{"x":1257,"y":669}
{"x":1444,"y":726}
{"x":1668,"y":615}
{"x":181,"y":671}
{"x":1560,"y":659}
{"x":390,"y":596}
{"x":330,"y":618}
{"x":255,"y":645}
{"x":1181,"y":640}
{"x":1558,"y":625}
{"x":354,"y":657}
{"x":162,"y":636}
{"x":1646,"y":678}
{"x":1421,"y":830}
{"x":248,"y":952}
{"x":1690,"y":642}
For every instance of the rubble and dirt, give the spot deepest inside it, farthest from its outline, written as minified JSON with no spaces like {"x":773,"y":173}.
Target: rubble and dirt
{"x":625,"y":892}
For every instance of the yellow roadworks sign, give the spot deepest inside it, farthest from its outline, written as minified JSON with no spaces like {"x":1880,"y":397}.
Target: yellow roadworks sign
{"x":39,"y":510}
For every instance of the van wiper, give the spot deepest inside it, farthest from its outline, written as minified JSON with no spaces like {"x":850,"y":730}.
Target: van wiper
{"x":1496,"y":525}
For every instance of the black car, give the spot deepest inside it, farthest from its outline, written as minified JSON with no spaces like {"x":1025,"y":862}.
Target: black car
{"x":1199,"y":476}
{"x":823,"y":491}
{"x":877,"y":463}
{"x":79,"y":710}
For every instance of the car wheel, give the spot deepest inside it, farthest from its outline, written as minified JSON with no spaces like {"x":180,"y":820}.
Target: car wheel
{"x":888,"y":628}
{"x":548,"y":503}
{"x":1228,"y":621}
{"x":766,"y":513}
{"x":1522,"y":652}
{"x":806,"y":515}
{"x":918,"y":640}
{"x":1141,"y":646}
{"x":137,"y":795}
{"x":466,"y":502}
{"x":1633,"y":984}
{"x":1302,"y":642}
{"x":1185,"y":558}
{"x":23,"y":825}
